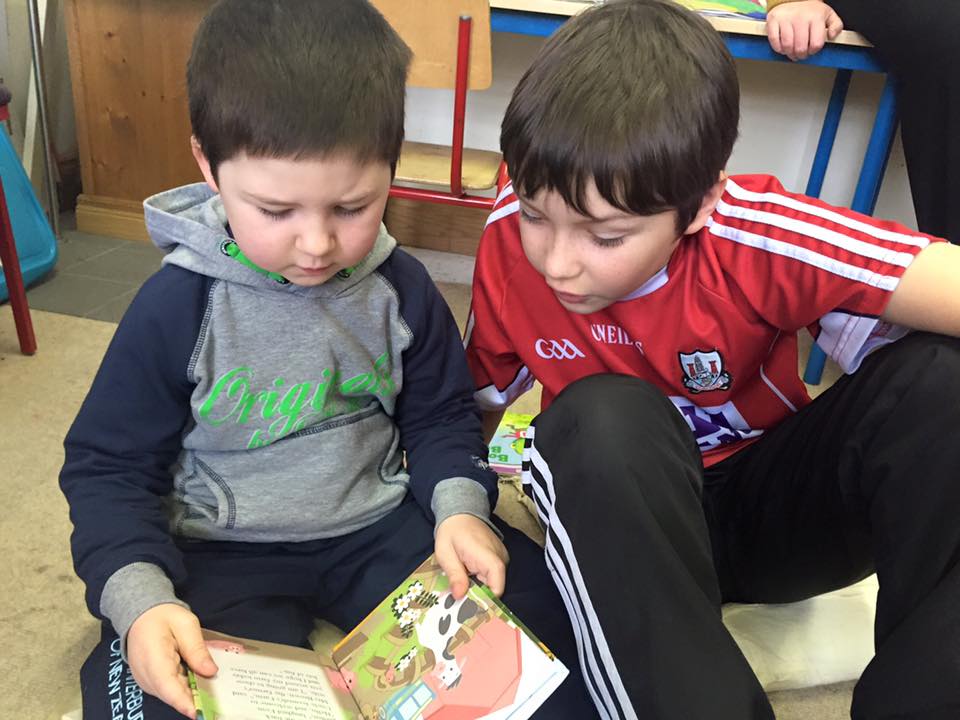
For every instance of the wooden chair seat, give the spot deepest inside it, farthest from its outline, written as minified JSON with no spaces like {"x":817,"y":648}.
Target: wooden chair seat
{"x":428,"y":164}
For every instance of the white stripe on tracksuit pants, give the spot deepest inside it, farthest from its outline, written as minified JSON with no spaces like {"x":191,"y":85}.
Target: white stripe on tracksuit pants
{"x":600,"y":673}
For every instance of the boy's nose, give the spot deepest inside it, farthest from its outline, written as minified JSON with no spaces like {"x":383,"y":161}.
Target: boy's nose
{"x":560,"y":261}
{"x":316,"y":242}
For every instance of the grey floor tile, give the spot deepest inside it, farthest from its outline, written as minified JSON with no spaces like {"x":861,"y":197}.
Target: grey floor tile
{"x":76,"y":247}
{"x":123,"y":264}
{"x":112,"y":311}
{"x":71,"y":294}
{"x":68,"y":220}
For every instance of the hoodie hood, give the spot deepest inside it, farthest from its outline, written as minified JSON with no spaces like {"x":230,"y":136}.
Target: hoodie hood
{"x":190,"y":225}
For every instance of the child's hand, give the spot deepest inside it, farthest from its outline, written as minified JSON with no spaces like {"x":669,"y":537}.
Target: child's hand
{"x":799,"y":29}
{"x":465,"y":545}
{"x":157,"y":641}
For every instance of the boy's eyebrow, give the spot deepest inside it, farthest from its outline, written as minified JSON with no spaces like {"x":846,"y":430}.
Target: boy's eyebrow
{"x":587,"y":219}
{"x":270,"y":201}
{"x":616,"y":215}
{"x":266,"y":200}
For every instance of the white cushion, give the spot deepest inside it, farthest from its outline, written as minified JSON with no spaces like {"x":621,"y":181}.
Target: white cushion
{"x":826,"y":639}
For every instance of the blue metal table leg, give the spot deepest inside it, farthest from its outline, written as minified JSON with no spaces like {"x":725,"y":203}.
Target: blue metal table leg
{"x":878,"y":152}
{"x":868,"y":189}
{"x":828,"y":134}
{"x":831,"y":122}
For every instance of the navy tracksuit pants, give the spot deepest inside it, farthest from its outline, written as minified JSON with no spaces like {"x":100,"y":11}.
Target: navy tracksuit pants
{"x":273,"y":592}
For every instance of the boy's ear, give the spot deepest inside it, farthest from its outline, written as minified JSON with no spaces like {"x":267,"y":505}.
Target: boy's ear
{"x":203,"y":163}
{"x":707,"y":205}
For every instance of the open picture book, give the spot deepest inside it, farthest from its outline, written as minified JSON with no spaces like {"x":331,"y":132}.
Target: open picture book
{"x":419,"y":654}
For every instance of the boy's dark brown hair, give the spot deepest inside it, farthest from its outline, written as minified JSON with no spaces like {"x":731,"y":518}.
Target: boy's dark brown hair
{"x":297,"y":78}
{"x":640,"y":96}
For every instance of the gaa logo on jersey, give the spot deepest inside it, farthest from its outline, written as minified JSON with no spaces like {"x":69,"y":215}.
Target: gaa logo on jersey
{"x":703,"y":371}
{"x":561,"y":349}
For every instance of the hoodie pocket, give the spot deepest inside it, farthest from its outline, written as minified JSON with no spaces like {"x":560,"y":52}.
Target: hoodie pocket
{"x":325,"y":480}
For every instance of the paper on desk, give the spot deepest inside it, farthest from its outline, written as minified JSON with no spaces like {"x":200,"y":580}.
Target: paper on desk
{"x":718,"y":8}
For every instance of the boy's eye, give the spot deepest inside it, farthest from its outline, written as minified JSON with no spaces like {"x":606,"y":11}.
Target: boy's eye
{"x":527,"y":217}
{"x":274,"y":214}
{"x":350,"y":212}
{"x":608,"y":241}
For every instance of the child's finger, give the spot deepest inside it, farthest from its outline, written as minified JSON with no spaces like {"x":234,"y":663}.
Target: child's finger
{"x":494,"y":575}
{"x":818,"y":38}
{"x":193,"y":649}
{"x":454,"y":569}
{"x":171,"y":687}
{"x":786,"y":39}
{"x":834,"y":25}
{"x":773,"y":35}
{"x":801,"y":42}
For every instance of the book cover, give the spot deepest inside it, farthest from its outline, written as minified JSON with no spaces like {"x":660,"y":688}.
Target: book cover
{"x":419,"y":654}
{"x":506,"y":446}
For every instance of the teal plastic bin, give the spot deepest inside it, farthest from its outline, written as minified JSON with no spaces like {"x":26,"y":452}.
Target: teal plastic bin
{"x":36,"y":243}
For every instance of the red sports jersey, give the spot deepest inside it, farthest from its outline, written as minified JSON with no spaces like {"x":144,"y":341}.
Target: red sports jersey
{"x":716,"y":329}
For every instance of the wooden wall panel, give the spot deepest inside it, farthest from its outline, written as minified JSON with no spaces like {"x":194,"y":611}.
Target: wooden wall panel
{"x":437,"y":227}
{"x":128,"y":60}
{"x":128,"y":65}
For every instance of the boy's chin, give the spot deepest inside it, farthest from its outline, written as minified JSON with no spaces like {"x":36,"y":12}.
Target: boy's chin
{"x":585,"y":307}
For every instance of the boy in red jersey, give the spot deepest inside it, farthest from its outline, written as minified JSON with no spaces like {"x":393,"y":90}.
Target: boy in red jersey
{"x":678,"y":462}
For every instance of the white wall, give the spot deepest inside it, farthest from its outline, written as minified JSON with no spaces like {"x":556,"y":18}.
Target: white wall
{"x":782,"y":109}
{"x":16,"y":68}
{"x":781,"y":113}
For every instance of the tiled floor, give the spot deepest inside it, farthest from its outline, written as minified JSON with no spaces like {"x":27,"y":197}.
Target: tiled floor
{"x":96,"y":277}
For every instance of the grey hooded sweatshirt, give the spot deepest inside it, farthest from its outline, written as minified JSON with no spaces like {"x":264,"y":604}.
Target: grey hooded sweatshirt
{"x":233,"y":405}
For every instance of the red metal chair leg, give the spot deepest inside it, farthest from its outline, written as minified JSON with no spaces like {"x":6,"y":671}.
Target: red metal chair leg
{"x":460,"y":104}
{"x":15,"y":289}
{"x":456,"y":195}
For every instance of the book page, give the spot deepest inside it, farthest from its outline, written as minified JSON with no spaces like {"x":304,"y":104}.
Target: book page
{"x":424,"y":654}
{"x":265,"y":681}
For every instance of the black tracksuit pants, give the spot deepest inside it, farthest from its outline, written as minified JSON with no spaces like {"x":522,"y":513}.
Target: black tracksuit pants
{"x":644,"y":545}
{"x":273,"y":592}
{"x":917,"y":41}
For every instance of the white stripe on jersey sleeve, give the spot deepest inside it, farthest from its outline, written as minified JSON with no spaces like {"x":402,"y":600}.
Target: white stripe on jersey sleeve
{"x":848,"y":339}
{"x":805,"y":255}
{"x":508,"y":209}
{"x":490,"y":399}
{"x":503,"y":193}
{"x":817,"y":232}
{"x":832,"y":215}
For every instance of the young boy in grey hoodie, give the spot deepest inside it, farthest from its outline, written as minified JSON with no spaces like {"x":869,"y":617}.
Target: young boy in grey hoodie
{"x":283,"y":426}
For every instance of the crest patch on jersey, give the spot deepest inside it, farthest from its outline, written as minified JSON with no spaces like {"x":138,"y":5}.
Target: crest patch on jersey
{"x":703,"y":371}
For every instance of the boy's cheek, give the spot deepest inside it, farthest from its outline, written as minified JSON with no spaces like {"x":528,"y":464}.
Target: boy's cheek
{"x":532,"y":252}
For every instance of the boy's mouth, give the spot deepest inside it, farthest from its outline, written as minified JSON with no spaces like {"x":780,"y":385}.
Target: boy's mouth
{"x":314,"y":271}
{"x":569,"y":298}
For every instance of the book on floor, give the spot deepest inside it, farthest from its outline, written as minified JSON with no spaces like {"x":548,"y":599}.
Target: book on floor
{"x":419,"y":654}
{"x":506,"y":446}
